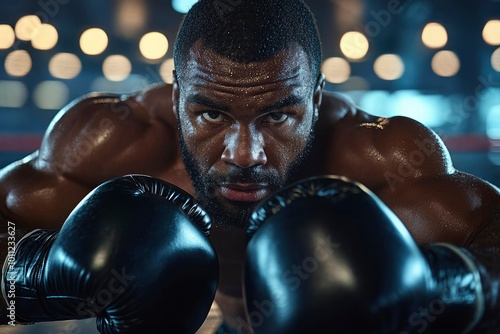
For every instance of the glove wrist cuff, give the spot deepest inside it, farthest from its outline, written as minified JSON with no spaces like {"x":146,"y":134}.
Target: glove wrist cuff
{"x":22,"y":276}
{"x":458,"y":281}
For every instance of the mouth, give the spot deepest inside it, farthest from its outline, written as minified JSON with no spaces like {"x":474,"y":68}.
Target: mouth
{"x":244,"y":192}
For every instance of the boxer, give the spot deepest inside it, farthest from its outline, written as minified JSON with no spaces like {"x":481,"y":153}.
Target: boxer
{"x":246,"y":116}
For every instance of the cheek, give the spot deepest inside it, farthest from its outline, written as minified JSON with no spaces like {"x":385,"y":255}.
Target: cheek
{"x":283,"y":148}
{"x":205,"y":146}
{"x":186,"y":124}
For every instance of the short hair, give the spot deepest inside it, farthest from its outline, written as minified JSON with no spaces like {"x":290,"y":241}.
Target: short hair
{"x":249,"y":30}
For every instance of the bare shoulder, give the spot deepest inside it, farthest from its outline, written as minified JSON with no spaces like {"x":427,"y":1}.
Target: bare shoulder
{"x":408,"y":166}
{"x":436,"y":202}
{"x":405,"y":148}
{"x":93,"y":139}
{"x":372,"y":149}
{"x":103,"y":135}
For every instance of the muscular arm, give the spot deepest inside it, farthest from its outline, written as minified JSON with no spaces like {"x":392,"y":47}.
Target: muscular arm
{"x":463,"y":210}
{"x":93,"y":139}
{"x":439,"y":204}
{"x":407,"y":165}
{"x":409,"y":168}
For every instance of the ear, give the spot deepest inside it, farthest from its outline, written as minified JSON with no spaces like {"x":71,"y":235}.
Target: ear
{"x":175,"y":94}
{"x":318,"y":93}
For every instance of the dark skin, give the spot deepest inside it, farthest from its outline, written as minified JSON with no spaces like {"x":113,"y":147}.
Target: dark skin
{"x":100,"y":137}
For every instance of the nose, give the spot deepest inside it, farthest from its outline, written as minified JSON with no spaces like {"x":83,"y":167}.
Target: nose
{"x":244,"y":147}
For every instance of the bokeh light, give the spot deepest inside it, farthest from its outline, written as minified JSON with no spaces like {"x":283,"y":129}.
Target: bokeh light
{"x":93,"y":41}
{"x":116,"y":68}
{"x":336,"y":69}
{"x":354,"y":45}
{"x":65,"y":66}
{"x":493,"y":123}
{"x":7,"y":36}
{"x":131,"y":17}
{"x":445,"y":63}
{"x":495,"y":60}
{"x":389,"y":67}
{"x":51,"y":95}
{"x":13,"y":94}
{"x":491,"y":32}
{"x":434,"y":35}
{"x":18,"y":63}
{"x":153,"y":45}
{"x":183,"y":6}
{"x":45,"y":37}
{"x":26,"y":27}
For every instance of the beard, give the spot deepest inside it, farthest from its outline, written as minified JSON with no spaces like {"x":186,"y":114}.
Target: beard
{"x":227,"y":214}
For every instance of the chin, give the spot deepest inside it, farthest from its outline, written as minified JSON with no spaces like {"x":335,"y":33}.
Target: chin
{"x":229,"y":215}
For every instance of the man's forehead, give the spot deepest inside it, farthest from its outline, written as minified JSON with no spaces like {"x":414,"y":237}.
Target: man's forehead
{"x":288,"y":64}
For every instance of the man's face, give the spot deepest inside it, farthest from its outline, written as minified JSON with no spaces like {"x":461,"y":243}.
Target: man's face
{"x":244,"y":128}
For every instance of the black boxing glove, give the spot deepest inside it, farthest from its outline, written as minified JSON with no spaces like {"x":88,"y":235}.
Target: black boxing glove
{"x":327,"y":256}
{"x":134,"y":254}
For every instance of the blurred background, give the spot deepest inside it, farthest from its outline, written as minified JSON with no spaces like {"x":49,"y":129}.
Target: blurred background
{"x":435,"y":61}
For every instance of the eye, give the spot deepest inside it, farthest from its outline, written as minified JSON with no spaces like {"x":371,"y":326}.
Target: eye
{"x":214,"y":116}
{"x":276,"y":117}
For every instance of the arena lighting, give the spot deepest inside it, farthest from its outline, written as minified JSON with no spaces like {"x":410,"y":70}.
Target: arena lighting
{"x":355,"y":83}
{"x":93,"y":41}
{"x":153,"y":45}
{"x":45,"y":37}
{"x":427,"y":109}
{"x":445,"y":63}
{"x":494,"y":156}
{"x":166,"y":69}
{"x":354,"y":45}
{"x":183,"y":6}
{"x":13,"y":94}
{"x":116,"y":68}
{"x":26,"y":27}
{"x":493,"y":123}
{"x":131,"y":84}
{"x":18,"y":63}
{"x":495,"y":60}
{"x":336,"y":69}
{"x":7,"y":36}
{"x":64,"y":66}
{"x":377,"y":101}
{"x":434,"y":35}
{"x":491,"y":32}
{"x":131,"y":17}
{"x":389,"y":67}
{"x":51,"y":95}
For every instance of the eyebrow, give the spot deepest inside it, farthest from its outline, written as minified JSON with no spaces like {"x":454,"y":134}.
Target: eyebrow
{"x":287,"y":101}
{"x":202,"y":100}
{"x":291,"y":100}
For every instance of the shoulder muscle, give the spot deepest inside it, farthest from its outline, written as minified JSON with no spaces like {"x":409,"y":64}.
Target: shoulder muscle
{"x":412,"y":151}
{"x":388,"y":152}
{"x":103,"y":136}
{"x":93,"y":139}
